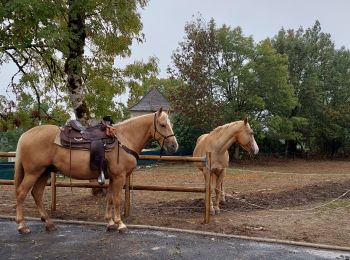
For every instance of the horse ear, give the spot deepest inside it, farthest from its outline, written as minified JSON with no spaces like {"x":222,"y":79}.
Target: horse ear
{"x":160,"y":111}
{"x":245,"y":120}
{"x":168,"y":112}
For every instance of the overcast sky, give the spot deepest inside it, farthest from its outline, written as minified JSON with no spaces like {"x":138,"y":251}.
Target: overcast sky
{"x":164,"y":22}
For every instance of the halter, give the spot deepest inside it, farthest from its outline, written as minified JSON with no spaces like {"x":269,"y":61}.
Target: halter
{"x":156,"y":131}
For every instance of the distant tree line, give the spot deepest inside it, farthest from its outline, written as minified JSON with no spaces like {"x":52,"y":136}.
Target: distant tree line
{"x":294,"y":88}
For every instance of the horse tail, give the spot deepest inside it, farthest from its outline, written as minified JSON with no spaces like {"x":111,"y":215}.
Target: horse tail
{"x":19,"y":171}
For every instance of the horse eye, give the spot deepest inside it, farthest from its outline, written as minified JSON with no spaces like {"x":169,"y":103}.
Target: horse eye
{"x":162,"y":125}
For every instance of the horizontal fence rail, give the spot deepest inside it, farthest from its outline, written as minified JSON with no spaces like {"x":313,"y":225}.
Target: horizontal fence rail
{"x":7,"y":154}
{"x":142,"y":157}
{"x":132,"y":187}
{"x":128,"y":187}
{"x":172,"y":158}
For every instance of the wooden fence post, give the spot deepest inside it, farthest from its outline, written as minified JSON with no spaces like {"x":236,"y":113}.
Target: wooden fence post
{"x":53,"y":191}
{"x":207,"y":172}
{"x":127,"y":197}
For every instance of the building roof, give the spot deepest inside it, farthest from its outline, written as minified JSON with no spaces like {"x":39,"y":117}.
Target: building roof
{"x":151,"y":102}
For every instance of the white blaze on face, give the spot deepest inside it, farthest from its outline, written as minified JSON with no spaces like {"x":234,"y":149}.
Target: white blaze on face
{"x":175,"y":144}
{"x":255,"y":147}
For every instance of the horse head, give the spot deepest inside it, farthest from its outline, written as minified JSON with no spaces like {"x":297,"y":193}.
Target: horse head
{"x":246,"y":138}
{"x":163,"y":132}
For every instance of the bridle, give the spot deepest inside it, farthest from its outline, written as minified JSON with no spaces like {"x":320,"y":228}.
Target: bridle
{"x":165,"y":137}
{"x":111,"y":131}
{"x":245,"y":147}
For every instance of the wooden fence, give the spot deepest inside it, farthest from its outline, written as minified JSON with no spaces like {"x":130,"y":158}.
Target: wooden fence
{"x":206,"y":189}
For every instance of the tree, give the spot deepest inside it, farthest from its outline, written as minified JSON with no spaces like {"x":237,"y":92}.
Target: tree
{"x":193,"y":65}
{"x":319,"y":75}
{"x":70,"y":47}
{"x":276,"y":94}
{"x":227,"y":76}
{"x":333,"y":129}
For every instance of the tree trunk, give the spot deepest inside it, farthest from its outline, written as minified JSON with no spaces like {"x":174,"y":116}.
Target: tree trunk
{"x":291,"y":148}
{"x":73,"y":66}
{"x":236,"y":155}
{"x":74,"y":62}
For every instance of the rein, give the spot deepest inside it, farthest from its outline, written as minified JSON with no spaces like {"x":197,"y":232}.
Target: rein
{"x":164,"y":136}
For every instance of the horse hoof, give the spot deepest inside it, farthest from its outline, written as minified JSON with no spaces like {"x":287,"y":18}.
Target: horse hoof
{"x":217,"y":211}
{"x":24,"y":230}
{"x":112,"y":227}
{"x":50,"y":227}
{"x":122,"y":228}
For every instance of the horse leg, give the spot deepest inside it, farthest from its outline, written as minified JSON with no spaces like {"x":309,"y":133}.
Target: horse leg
{"x":223,"y":195}
{"x":219,"y":192}
{"x":212,"y":190}
{"x":221,"y":180}
{"x":118,"y":191}
{"x":216,"y":185}
{"x":37,"y":193}
{"x":21,"y":193}
{"x":109,"y":212}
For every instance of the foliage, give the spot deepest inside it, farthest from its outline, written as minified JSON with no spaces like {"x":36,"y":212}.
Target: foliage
{"x":47,"y":40}
{"x":24,"y":114}
{"x":320,"y":77}
{"x":8,"y":140}
{"x":186,"y":134}
{"x":227,"y":76}
{"x":295,"y":88}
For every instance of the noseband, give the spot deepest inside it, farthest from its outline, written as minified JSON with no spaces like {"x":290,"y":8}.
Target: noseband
{"x":164,"y":136}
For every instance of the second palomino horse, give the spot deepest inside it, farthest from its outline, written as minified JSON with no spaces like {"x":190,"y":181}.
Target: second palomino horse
{"x":217,"y":142}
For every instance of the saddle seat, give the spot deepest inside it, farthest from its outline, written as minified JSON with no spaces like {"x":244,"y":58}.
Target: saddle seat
{"x":95,"y":138}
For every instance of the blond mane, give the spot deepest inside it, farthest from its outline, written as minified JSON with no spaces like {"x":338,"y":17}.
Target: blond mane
{"x":134,"y":118}
{"x":220,"y":129}
{"x":128,"y":120}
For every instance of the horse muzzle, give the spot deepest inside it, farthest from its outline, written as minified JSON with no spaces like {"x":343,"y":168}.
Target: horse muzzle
{"x":171,"y":146}
{"x":252,"y":148}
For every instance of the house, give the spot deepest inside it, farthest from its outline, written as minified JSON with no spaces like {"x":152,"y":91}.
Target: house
{"x":150,"y":103}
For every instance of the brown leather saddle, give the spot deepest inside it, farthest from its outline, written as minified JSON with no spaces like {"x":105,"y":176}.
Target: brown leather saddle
{"x":75,"y":136}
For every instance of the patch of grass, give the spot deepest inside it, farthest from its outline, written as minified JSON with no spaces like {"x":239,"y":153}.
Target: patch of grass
{"x":341,"y":203}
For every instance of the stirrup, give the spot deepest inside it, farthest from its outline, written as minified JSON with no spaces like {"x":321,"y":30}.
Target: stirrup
{"x":101,"y":179}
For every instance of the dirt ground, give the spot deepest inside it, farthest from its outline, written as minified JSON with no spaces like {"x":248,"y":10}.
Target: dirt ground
{"x":284,"y":199}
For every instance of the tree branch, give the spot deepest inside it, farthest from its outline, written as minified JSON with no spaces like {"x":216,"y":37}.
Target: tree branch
{"x":20,"y":67}
{"x":16,"y":47}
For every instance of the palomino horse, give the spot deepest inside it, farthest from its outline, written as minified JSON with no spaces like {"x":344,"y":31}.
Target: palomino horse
{"x":37,"y":155}
{"x":217,"y":142}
